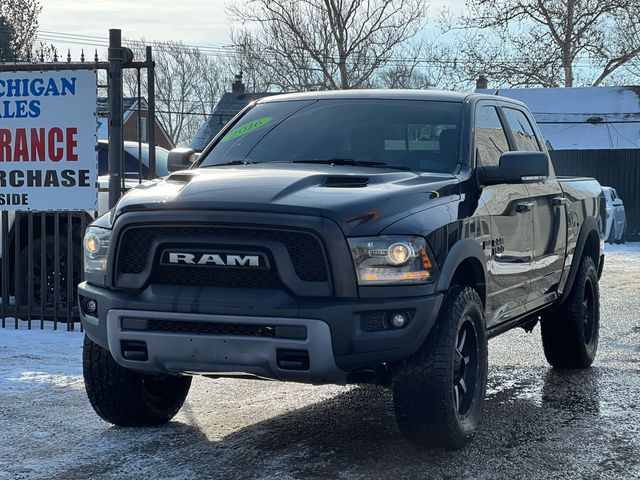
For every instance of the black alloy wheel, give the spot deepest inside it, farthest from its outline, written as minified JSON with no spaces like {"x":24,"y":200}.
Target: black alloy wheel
{"x":465,"y":371}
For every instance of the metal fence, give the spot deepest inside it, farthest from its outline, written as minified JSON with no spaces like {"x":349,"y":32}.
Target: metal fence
{"x":41,"y":252}
{"x":41,"y":266}
{"x":612,"y":168}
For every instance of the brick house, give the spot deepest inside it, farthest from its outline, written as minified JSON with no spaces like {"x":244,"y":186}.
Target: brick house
{"x":130,"y":122}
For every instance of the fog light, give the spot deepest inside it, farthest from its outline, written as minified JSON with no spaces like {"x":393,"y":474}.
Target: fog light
{"x":90,"y":305}
{"x":399,"y":320}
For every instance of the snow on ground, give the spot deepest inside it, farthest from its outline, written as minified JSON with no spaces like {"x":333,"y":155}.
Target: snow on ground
{"x":539,"y":423}
{"x":34,"y":359}
{"x":632,"y":248}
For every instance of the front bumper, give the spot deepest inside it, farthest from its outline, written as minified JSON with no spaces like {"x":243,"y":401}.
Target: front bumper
{"x":336,"y":342}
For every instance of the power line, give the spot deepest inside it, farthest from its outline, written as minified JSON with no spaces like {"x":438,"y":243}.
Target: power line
{"x":230,"y":51}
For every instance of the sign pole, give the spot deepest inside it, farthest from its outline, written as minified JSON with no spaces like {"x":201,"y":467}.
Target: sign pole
{"x":151,"y":113}
{"x":116,"y":140}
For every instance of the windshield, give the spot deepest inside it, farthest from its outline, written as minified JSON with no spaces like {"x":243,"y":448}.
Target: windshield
{"x":403,"y":134}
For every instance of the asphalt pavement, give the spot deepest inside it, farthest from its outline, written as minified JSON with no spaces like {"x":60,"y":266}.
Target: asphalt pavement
{"x":538,"y":422}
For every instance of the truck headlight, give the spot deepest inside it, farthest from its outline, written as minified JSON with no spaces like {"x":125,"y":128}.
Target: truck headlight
{"x":392,"y":260}
{"x":96,"y":245}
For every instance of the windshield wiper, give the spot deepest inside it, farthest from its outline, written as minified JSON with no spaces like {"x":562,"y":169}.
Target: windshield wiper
{"x":351,"y":161}
{"x":232,"y":162}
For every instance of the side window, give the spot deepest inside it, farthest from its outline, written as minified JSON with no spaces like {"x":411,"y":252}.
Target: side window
{"x":491,"y":141}
{"x":521,"y":130}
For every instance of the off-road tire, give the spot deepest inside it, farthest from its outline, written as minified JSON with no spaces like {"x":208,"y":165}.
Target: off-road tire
{"x":127,"y":398}
{"x":570,"y":335}
{"x":424,"y":390}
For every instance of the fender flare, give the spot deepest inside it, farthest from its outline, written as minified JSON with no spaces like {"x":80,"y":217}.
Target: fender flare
{"x":588,"y":225}
{"x":461,"y":251}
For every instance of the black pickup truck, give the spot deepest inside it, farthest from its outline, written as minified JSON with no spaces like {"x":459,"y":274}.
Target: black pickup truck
{"x":345,"y":237}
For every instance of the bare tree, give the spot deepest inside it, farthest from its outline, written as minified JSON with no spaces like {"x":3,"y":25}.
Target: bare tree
{"x":324,"y":44}
{"x":22,"y":17}
{"x":416,"y":66}
{"x":188,"y":85}
{"x":541,"y":42}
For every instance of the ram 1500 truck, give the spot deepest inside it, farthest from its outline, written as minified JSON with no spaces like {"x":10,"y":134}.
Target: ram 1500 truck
{"x":343,"y":237}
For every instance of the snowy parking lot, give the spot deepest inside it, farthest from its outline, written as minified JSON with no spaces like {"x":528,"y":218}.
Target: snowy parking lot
{"x":538,"y":423}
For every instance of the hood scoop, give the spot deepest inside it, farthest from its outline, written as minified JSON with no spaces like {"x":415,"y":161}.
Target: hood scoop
{"x":180,"y":177}
{"x":346,"y":181}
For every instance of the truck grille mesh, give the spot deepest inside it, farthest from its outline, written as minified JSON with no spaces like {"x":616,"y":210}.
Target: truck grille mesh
{"x":212,"y":328}
{"x":216,"y":277}
{"x":304,"y":250}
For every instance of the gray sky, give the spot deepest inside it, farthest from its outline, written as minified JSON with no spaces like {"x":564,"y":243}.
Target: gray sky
{"x":196,"y":22}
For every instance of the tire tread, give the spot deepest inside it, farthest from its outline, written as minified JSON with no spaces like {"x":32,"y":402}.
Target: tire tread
{"x":117,"y":394}
{"x":423,"y":403}
{"x":562,"y":332}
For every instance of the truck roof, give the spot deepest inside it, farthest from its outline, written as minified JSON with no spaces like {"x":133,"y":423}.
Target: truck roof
{"x":433,"y":95}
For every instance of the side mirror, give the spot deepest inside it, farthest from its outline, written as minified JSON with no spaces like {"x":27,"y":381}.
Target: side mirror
{"x":180,"y":158}
{"x":515,"y":167}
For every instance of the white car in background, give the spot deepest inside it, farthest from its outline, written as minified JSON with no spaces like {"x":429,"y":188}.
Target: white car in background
{"x":616,"y":218}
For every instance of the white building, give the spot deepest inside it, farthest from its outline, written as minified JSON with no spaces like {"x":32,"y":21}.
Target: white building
{"x":591,"y":118}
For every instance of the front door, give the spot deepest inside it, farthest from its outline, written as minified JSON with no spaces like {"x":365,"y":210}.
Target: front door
{"x":510,"y":209}
{"x":549,"y":215}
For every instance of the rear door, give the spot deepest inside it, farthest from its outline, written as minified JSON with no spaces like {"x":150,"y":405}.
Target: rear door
{"x":511,"y":222}
{"x":548,"y":210}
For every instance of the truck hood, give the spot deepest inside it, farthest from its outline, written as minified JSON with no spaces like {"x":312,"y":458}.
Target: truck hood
{"x":362,"y":201}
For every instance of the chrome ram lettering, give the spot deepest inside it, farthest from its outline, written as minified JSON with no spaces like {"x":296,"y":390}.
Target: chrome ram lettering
{"x":214,"y":259}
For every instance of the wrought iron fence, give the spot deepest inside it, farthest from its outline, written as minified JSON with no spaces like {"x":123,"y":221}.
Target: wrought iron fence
{"x":41,"y":267}
{"x":41,"y":252}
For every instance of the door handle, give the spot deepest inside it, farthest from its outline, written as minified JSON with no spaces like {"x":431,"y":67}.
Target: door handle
{"x":524,"y":207}
{"x":559,"y":201}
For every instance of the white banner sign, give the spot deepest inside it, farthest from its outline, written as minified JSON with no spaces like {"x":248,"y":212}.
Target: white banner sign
{"x":48,"y":140}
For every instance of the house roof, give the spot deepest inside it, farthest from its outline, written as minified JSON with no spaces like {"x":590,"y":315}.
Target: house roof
{"x":129,"y":106}
{"x":226,"y":108}
{"x":583,"y":118}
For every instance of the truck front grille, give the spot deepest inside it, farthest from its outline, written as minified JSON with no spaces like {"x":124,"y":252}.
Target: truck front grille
{"x":304,"y":249}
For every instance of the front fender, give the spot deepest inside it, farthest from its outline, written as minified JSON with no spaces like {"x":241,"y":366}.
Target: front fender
{"x":462,"y":250}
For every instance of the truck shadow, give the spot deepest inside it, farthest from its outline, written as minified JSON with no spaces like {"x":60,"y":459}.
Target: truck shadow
{"x":353,"y":434}
{"x":536,"y":421}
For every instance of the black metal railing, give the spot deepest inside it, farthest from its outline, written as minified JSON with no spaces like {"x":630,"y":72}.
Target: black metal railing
{"x":41,"y":267}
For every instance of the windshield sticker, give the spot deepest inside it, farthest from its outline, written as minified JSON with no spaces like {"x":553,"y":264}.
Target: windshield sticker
{"x":246,"y":128}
